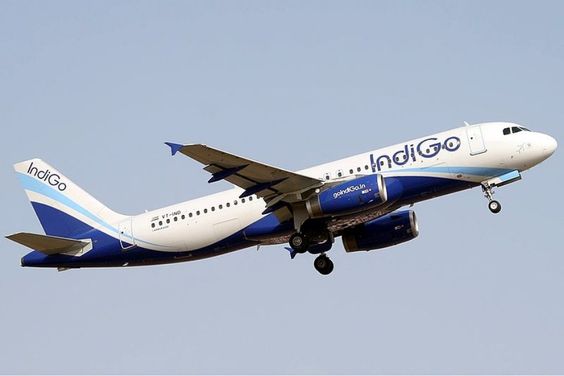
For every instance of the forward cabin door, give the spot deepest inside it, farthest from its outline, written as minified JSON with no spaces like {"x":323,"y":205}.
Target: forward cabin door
{"x":475,"y":139}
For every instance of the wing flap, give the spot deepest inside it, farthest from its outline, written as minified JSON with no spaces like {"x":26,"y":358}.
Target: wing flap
{"x":49,"y":245}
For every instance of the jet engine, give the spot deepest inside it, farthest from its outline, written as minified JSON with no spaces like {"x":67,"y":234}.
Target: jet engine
{"x":354,"y":195}
{"x":350,"y":196}
{"x":386,"y":231}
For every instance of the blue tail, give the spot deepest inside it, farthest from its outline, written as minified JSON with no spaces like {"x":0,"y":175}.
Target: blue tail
{"x":63,"y":208}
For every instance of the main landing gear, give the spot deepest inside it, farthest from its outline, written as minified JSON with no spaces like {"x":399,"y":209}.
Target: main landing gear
{"x":323,"y":264}
{"x":493,"y":205}
{"x":315,"y":243}
{"x":299,"y":242}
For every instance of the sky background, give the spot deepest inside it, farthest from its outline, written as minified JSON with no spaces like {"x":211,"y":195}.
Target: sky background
{"x":96,"y":87}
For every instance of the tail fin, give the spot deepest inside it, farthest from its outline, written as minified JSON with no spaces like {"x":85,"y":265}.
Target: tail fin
{"x":63,"y":208}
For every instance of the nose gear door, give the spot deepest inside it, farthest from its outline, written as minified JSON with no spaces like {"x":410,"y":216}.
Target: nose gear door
{"x":475,"y":140}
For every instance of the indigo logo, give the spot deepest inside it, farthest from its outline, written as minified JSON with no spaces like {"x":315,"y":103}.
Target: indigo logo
{"x":46,"y":176}
{"x":428,"y":148}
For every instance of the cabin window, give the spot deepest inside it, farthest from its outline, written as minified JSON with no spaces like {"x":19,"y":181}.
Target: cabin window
{"x":160,"y":223}
{"x":175,"y":219}
{"x":213,"y":208}
{"x":197,"y":212}
{"x":327,"y":176}
{"x":228,"y":204}
{"x":250,"y":198}
{"x":366,"y":167}
{"x":242,"y":200}
{"x":168,"y":220}
{"x":182,"y":216}
{"x":152,"y":225}
{"x":220,"y":206}
{"x":235,"y":202}
{"x":190,"y":214}
{"x":205,"y":210}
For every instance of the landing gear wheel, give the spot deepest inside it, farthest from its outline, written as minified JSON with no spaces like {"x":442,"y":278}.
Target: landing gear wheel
{"x":323,"y":264}
{"x":494,"y":206}
{"x":299,"y":242}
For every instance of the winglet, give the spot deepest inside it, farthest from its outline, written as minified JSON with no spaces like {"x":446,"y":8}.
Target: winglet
{"x":174,"y":148}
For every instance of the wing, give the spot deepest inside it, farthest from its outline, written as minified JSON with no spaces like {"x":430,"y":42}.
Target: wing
{"x":272,"y":183}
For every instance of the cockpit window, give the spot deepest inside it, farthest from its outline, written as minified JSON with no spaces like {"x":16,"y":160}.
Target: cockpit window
{"x":507,"y":131}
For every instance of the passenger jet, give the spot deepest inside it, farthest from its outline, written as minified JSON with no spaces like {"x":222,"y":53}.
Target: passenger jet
{"x":359,"y":199}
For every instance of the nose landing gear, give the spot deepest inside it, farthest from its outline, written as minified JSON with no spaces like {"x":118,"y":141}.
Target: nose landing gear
{"x":493,"y":205}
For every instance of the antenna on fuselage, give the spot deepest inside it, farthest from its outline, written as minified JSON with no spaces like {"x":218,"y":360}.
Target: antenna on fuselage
{"x":466,"y":123}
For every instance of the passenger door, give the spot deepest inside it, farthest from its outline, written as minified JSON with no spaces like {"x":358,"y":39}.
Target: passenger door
{"x":475,"y":140}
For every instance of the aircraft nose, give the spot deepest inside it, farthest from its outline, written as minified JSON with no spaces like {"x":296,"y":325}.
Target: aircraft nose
{"x":549,"y":145}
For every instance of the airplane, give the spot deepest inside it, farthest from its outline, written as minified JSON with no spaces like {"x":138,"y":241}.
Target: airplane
{"x":359,"y":199}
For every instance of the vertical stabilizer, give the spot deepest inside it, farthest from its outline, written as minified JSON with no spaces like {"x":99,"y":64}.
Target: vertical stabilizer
{"x":63,"y":208}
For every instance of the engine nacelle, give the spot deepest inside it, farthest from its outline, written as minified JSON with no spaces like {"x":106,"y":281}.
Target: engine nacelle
{"x":349,"y":197}
{"x":392,"y":229}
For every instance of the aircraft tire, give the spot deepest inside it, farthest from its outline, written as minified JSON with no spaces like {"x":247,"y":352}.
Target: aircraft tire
{"x":494,"y":206}
{"x":323,"y":264}
{"x":299,"y":242}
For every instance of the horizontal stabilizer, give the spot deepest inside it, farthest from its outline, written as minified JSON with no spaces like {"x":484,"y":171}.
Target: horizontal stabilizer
{"x":49,"y":245}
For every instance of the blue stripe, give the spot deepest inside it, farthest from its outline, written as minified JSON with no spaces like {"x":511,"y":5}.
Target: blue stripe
{"x":474,"y":171}
{"x":36,"y":186}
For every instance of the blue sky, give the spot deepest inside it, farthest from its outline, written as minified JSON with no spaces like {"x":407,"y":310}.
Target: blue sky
{"x":95,"y":88}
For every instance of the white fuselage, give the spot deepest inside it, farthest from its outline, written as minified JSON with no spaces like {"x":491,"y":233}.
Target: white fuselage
{"x":471,"y":154}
